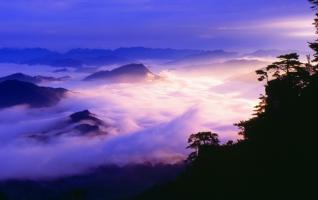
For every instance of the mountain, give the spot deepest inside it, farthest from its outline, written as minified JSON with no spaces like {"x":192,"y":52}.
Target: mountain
{"x":83,"y":123}
{"x":126,"y":73}
{"x":82,"y":57}
{"x":74,"y":58}
{"x":132,"y":53}
{"x":13,"y":55}
{"x":141,"y":53}
{"x":273,"y":53}
{"x":31,"y":79}
{"x":14,"y":92}
{"x":88,"y":53}
{"x":55,"y":61}
{"x":231,"y":68}
{"x":61,"y":70}
{"x":241,"y":64}
{"x":206,"y":57}
{"x":90,"y":57}
{"x":37,"y":56}
{"x":95,"y":56}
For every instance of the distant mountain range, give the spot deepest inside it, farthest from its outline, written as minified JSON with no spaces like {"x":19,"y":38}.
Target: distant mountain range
{"x":208,"y":56}
{"x":14,"y":92}
{"x":269,"y":53}
{"x":244,"y":62}
{"x":100,"y":57}
{"x":127,"y":73}
{"x":32,"y":79}
{"x":88,"y":57}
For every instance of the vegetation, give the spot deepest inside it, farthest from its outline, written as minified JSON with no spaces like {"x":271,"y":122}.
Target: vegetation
{"x":278,"y":155}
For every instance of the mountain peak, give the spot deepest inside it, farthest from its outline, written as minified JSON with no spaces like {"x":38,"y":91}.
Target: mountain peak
{"x":128,"y":73}
{"x":132,"y":68}
{"x":82,"y":115}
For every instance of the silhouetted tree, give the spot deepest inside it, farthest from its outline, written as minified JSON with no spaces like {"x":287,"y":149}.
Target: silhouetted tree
{"x":201,"y":140}
{"x":285,"y":66}
{"x":263,"y":75}
{"x":260,"y":108}
{"x":314,"y":45}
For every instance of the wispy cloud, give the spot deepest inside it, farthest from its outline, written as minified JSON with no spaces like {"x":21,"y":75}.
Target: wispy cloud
{"x":280,"y":26}
{"x":281,"y":33}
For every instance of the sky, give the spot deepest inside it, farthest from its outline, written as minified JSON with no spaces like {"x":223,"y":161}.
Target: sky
{"x":184,"y":24}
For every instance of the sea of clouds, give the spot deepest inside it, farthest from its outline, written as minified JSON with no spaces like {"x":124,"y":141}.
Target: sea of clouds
{"x":149,"y":122}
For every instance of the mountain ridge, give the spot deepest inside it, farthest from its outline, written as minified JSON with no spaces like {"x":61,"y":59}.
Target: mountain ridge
{"x":14,"y":92}
{"x":32,"y":79}
{"x":126,"y":73}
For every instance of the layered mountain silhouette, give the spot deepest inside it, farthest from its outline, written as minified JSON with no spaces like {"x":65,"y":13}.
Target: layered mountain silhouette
{"x":267,"y":53}
{"x":55,"y":61}
{"x":73,"y":58}
{"x":13,"y":55}
{"x":83,"y":123}
{"x":15,"y":92}
{"x":32,"y":79}
{"x":97,"y":57}
{"x":141,"y":53}
{"x":127,"y":73}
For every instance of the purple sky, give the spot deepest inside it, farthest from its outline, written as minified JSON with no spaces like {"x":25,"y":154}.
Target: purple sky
{"x":198,"y":24}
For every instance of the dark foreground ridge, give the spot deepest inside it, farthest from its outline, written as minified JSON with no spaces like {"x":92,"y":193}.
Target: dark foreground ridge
{"x":278,"y":155}
{"x":109,"y":182}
